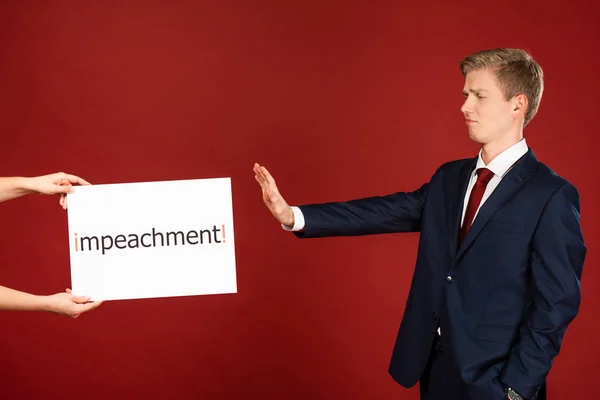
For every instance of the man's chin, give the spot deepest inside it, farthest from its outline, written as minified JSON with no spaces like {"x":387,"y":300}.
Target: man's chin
{"x":474,"y":137}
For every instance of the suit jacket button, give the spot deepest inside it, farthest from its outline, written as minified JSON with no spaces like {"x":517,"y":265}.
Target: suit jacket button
{"x":449,"y":279}
{"x":435,"y":315}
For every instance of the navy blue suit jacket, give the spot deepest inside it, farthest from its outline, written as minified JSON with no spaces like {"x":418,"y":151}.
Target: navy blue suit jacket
{"x":504,"y":298}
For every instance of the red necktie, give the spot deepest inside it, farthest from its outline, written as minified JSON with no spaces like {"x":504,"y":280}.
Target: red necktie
{"x":483,"y":177}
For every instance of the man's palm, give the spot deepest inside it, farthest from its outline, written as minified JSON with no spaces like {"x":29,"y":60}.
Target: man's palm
{"x":272,"y":198}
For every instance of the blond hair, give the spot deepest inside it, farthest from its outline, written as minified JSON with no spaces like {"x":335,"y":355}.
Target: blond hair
{"x":516,"y":73}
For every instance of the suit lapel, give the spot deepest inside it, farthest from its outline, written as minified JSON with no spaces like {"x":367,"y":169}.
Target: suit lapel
{"x":514,"y":179}
{"x":456,"y":204}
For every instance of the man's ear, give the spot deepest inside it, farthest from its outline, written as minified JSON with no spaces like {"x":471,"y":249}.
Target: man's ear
{"x":519,"y":105}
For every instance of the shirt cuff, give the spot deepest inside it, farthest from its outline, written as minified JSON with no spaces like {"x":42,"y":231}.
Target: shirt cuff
{"x":298,"y":221}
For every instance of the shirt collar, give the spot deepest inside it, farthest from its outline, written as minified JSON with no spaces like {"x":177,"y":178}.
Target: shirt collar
{"x":505,"y":160}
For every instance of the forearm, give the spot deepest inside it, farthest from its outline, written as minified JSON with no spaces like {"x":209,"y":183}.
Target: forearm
{"x":400,"y":212}
{"x":15,"y":300}
{"x":11,"y":188}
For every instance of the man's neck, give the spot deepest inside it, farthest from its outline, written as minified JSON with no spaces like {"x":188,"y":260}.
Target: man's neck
{"x":489,"y":151}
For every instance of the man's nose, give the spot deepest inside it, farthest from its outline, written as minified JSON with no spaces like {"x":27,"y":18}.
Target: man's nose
{"x":466,"y":107}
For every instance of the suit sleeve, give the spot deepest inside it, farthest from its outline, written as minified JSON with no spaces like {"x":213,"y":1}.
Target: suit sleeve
{"x":398,"y":212}
{"x":558,"y":254}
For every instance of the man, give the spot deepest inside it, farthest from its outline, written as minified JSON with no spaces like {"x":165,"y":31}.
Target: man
{"x":61,"y":303}
{"x":500,"y":255}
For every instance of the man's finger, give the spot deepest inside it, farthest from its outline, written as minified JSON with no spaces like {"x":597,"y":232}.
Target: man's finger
{"x":262,"y":178}
{"x":259,"y":181}
{"x":268,"y":176}
{"x":259,"y":169}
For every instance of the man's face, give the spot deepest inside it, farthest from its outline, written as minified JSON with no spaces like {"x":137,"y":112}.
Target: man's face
{"x":489,"y":117}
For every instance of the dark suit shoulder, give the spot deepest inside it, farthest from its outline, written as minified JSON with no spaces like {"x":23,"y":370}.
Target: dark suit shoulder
{"x":548,"y":176}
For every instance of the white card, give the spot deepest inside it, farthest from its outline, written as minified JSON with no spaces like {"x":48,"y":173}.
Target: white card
{"x":152,"y":239}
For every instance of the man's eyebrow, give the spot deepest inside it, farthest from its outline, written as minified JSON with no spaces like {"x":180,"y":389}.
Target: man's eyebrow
{"x":475,"y":91}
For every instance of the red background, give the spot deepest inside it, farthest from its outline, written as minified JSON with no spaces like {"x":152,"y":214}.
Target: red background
{"x":339,"y":99}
